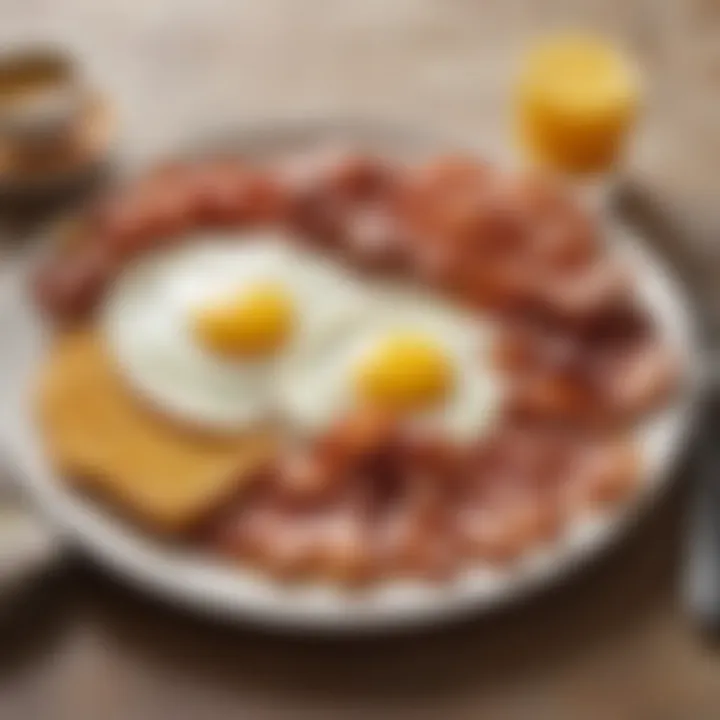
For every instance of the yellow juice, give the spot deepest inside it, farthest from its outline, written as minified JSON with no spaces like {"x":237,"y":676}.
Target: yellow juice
{"x":576,"y":100}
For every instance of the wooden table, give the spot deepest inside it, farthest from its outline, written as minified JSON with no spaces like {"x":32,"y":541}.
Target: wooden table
{"x":611,"y":643}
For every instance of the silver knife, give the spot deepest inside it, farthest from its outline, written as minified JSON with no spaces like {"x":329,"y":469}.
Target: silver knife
{"x":693,"y":247}
{"x":701,"y":557}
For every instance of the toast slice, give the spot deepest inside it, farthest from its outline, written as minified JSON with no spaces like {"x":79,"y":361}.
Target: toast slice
{"x":101,"y":435}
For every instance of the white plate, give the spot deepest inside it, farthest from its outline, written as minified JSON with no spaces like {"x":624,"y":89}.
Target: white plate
{"x":231,"y":591}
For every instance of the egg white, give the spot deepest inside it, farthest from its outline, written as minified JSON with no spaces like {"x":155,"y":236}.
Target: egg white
{"x":145,"y":320}
{"x":320,"y":390}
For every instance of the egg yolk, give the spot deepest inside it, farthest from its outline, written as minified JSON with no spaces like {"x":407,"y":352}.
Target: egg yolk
{"x":405,"y":373}
{"x":255,"y":324}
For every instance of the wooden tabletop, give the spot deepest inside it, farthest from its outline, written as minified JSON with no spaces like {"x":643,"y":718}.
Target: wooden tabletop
{"x":611,"y":642}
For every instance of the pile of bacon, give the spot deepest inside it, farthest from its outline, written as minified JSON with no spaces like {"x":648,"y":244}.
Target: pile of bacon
{"x":493,"y":239}
{"x":368,"y":501}
{"x":374,"y":500}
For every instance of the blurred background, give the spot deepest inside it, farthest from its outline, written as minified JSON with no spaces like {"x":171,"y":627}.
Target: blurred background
{"x":613,"y":642}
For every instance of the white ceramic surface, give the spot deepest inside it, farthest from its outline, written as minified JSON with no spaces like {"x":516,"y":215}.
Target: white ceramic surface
{"x":231,"y":591}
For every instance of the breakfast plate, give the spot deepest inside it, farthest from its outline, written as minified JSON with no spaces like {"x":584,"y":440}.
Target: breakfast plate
{"x":193,"y":578}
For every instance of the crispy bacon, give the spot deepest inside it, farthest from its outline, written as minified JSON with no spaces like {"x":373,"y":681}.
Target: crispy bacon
{"x":408,"y":504}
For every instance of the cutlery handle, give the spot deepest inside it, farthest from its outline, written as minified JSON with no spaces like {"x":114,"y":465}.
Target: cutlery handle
{"x":701,"y":561}
{"x":689,"y":242}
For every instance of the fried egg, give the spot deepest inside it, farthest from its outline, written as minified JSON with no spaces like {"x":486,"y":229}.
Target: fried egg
{"x":411,"y":354}
{"x":205,"y":330}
